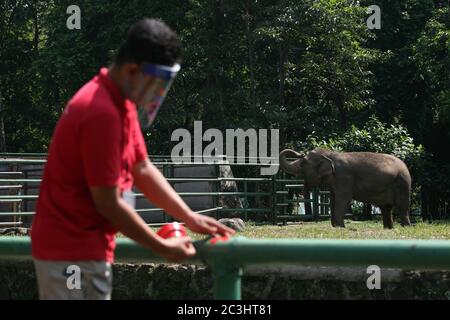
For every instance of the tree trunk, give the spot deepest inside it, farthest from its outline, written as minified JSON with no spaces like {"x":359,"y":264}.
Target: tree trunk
{"x":424,"y":205}
{"x":251,"y":62}
{"x":219,"y":13}
{"x":342,"y":114}
{"x":2,"y":128}
{"x":367,"y":211}
{"x":218,"y":27}
{"x":282,"y":73}
{"x":433,"y":205}
{"x":36,"y":28}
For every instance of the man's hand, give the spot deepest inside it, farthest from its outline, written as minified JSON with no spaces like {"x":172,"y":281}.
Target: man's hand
{"x":207,"y":225}
{"x":177,"y":249}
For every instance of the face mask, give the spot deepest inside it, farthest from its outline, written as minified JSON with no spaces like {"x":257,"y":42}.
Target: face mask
{"x":150,"y":95}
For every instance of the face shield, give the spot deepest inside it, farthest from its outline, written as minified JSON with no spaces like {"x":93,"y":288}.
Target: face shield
{"x":153,"y":93}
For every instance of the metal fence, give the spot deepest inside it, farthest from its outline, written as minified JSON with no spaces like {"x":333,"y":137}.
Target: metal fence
{"x":277,"y":198}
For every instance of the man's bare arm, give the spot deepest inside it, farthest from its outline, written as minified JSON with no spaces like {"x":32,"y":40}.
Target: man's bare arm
{"x":155,"y":187}
{"x":121,"y":216}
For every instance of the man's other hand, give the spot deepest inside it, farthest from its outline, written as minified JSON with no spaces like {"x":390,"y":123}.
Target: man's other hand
{"x":206,"y":225}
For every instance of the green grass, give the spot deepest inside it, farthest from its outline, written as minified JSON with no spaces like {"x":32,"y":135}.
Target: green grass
{"x":354,"y":230}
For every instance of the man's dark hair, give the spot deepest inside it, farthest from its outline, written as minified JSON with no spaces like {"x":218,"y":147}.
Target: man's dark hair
{"x":151,"y":41}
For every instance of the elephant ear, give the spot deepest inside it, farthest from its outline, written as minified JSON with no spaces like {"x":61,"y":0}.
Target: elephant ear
{"x":326,"y":167}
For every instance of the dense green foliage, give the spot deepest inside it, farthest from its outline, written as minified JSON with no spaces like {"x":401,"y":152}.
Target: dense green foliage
{"x":308,"y":68}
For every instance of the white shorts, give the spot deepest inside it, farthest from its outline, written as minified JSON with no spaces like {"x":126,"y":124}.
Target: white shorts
{"x":74,"y":280}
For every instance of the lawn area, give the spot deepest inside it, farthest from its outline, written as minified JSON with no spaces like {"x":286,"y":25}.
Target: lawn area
{"x":354,"y":230}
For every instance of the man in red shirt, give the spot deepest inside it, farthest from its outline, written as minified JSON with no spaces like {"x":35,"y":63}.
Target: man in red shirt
{"x":96,"y":155}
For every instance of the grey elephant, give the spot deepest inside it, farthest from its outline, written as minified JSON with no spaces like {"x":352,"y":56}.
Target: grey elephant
{"x":380,"y":179}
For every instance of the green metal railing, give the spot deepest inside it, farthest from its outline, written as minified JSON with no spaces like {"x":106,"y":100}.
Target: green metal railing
{"x":228,"y":259}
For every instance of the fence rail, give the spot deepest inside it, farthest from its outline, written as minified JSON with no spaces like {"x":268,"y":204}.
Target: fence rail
{"x":19,"y":179}
{"x":228,"y":259}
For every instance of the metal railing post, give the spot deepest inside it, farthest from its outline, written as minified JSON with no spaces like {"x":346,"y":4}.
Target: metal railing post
{"x":25,"y":190}
{"x":216,"y":188}
{"x":316,"y":203}
{"x":274,"y":199}
{"x":15,"y":205}
{"x":245,"y":199}
{"x":227,"y":281}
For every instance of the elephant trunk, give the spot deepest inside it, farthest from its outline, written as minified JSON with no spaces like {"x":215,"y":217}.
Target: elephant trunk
{"x":287,"y":166}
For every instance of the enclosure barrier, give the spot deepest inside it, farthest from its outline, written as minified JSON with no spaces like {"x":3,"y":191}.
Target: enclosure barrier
{"x":277,"y":190}
{"x":228,"y":258}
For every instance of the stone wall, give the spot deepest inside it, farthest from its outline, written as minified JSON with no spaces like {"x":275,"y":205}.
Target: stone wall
{"x":159,"y":281}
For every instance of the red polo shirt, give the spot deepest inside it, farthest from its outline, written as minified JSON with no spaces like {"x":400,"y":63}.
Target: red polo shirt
{"x":96,"y":142}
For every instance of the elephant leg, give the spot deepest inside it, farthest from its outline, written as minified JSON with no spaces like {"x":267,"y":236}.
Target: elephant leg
{"x":401,"y":202}
{"x":333,"y":218}
{"x":401,"y":210}
{"x":341,"y":203}
{"x":386,"y":211}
